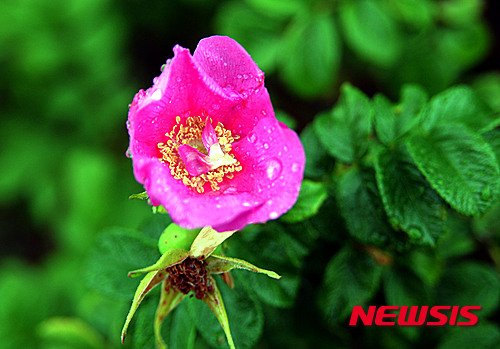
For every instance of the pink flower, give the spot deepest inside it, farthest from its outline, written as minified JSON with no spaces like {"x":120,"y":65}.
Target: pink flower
{"x":205,"y":142}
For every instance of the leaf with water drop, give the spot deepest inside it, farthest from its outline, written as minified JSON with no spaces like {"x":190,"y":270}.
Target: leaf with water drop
{"x":409,"y":201}
{"x":459,"y":165}
{"x":362,"y":209}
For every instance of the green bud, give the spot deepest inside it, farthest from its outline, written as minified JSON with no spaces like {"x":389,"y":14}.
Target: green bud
{"x":175,"y":236}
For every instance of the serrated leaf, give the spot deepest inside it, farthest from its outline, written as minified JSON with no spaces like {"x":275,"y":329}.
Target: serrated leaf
{"x":311,"y":196}
{"x":116,"y":252}
{"x":478,"y":284}
{"x":493,"y":139}
{"x":409,"y":201}
{"x":351,"y":278}
{"x":392,"y":123}
{"x":370,"y":31}
{"x":311,"y":54}
{"x":459,"y":165}
{"x":458,"y":105}
{"x":344,"y":131}
{"x":363,"y":210}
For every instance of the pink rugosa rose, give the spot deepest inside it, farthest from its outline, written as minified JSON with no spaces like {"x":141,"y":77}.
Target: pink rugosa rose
{"x":205,"y":142}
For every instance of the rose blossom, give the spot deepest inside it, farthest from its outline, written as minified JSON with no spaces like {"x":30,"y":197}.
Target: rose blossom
{"x":205,"y":142}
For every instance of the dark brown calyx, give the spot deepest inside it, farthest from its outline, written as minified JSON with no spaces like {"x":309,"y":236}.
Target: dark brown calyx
{"x":190,"y":275}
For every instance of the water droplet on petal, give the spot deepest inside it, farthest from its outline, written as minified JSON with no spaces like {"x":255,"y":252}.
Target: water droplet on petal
{"x":273,"y":215}
{"x":246,"y":204}
{"x":266,"y":146}
{"x":156,"y":95}
{"x":245,"y":76}
{"x":295,"y":167}
{"x":273,"y":168}
{"x":252,"y":137}
{"x":215,"y":106}
{"x":178,"y":79}
{"x":128,"y":153}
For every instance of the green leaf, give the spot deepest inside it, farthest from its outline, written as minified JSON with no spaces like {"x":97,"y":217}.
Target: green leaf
{"x":169,"y":258}
{"x":116,"y":252}
{"x":311,"y":55}
{"x":417,"y":13}
{"x":459,"y":165}
{"x":370,"y":31}
{"x":318,"y":163}
{"x":351,"y":278}
{"x":484,"y":336}
{"x":392,"y":123}
{"x":362,"y":208}
{"x":169,"y":299}
{"x":344,"y":131}
{"x":69,"y":333}
{"x":311,"y":197}
{"x":458,"y":105}
{"x":151,"y":280}
{"x":409,"y":201}
{"x":244,"y":317}
{"x":487,"y":86}
{"x":221,"y":264}
{"x":470,"y":283}
{"x":403,"y":287}
{"x":493,"y":139}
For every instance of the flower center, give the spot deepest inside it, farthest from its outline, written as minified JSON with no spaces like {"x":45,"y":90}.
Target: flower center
{"x":190,"y":275}
{"x":199,"y":154}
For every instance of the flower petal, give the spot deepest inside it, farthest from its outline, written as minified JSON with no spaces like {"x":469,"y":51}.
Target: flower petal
{"x":196,"y":162}
{"x":228,"y":64}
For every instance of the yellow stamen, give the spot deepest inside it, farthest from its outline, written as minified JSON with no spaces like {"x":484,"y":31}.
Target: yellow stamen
{"x":190,"y":132}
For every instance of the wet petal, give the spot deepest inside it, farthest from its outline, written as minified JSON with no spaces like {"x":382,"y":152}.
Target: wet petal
{"x":196,"y":162}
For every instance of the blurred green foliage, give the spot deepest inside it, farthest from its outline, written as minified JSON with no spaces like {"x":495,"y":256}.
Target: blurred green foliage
{"x":400,"y":203}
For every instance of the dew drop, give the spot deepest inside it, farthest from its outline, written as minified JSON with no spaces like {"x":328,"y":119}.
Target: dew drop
{"x":156,"y":95}
{"x":238,"y":76}
{"x":215,"y":106}
{"x":252,"y":137}
{"x":179,"y":79}
{"x":273,"y":168}
{"x":273,"y":215}
{"x":266,"y":146}
{"x":155,"y":80}
{"x":128,"y":153}
{"x":245,"y":76}
{"x":246,"y":204}
{"x":295,"y":167}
